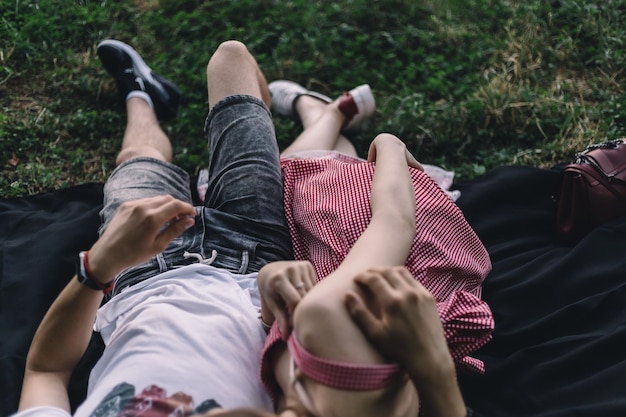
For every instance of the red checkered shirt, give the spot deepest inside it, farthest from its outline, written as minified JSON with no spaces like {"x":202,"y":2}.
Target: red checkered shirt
{"x":327,"y":206}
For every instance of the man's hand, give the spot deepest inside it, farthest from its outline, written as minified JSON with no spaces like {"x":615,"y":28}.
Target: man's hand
{"x":139,"y":230}
{"x":282,"y":285}
{"x":400,"y":319}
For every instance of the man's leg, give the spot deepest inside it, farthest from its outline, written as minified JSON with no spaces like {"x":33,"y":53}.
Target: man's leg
{"x":144,"y":167}
{"x":233,"y":70}
{"x":143,"y":135}
{"x":149,"y":98}
{"x":244,"y":216}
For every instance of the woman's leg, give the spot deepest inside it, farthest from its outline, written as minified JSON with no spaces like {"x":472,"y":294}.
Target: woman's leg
{"x":322,"y":125}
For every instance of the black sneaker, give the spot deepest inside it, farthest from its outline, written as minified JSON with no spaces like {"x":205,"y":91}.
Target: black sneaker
{"x":131,"y":73}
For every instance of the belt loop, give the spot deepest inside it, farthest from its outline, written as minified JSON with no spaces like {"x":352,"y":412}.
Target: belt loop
{"x":161,"y":262}
{"x":245,"y":261}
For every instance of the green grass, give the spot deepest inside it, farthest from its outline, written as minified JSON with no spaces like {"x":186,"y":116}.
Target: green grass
{"x":468,"y":85}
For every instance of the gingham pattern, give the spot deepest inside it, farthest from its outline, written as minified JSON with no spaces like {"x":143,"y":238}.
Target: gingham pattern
{"x":327,"y":205}
{"x":343,"y":375}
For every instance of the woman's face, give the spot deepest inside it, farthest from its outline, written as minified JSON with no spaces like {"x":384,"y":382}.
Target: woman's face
{"x":298,"y":403}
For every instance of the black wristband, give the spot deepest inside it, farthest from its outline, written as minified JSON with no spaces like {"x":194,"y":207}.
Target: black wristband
{"x":83,"y":276}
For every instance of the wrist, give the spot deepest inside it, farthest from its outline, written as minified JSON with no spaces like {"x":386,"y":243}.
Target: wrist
{"x":99,"y":266}
{"x":266,"y":315}
{"x":439,"y":391}
{"x":431,"y":372}
{"x":266,"y":326}
{"x":86,"y":275}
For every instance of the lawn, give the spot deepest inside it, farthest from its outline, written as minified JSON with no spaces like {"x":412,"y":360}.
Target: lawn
{"x":468,"y":85}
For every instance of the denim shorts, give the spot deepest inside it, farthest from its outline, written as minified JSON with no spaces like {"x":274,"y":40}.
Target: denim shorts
{"x":242,"y":218}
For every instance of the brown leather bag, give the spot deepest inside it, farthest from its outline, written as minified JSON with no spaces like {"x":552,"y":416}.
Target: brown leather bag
{"x":592,"y":190}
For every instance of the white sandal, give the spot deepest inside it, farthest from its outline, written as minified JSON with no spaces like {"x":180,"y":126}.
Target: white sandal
{"x":285,"y":94}
{"x":358,"y":104}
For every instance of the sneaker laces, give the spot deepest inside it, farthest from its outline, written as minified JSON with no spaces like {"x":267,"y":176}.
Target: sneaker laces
{"x":199,"y":257}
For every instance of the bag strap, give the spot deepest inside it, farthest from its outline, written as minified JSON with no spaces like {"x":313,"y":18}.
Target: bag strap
{"x":591,"y":156}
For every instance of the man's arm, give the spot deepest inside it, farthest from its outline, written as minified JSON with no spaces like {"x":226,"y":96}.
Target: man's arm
{"x":139,"y":230}
{"x":407,"y":329}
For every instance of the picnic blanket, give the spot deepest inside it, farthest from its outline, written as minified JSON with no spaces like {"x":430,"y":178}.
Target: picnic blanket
{"x":559,"y":345}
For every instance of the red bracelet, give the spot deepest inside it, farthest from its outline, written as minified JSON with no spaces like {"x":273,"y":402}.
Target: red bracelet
{"x":85,"y":276}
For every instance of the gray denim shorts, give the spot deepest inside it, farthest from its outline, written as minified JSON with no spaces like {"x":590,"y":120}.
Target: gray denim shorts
{"x":243,"y":217}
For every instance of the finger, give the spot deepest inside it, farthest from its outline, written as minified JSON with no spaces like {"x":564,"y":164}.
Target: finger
{"x":283,"y":324}
{"x":290,"y":296}
{"x":151,"y":203}
{"x":174,"y":229}
{"x":296,"y":274}
{"x":412,"y":162}
{"x":371,"y":153}
{"x":298,"y":279}
{"x":376,"y":285}
{"x":311,"y":277}
{"x":153,"y":214}
{"x":172,"y":208}
{"x":391,"y":275}
{"x":305,"y":278}
{"x":407,"y":282}
{"x":361,"y":315}
{"x":397,"y":277}
{"x":284,"y":300}
{"x":302,"y":287}
{"x":280,"y":315}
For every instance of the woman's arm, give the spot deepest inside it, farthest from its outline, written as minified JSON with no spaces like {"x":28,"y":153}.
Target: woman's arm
{"x":390,"y":233}
{"x":392,"y":188}
{"x":321,"y":321}
{"x":135,"y":234}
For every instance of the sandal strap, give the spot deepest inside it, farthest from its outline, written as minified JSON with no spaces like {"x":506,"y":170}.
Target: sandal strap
{"x":313,"y":94}
{"x":348,"y":107}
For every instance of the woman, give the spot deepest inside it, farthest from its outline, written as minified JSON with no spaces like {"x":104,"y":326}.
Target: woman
{"x":352,"y":238}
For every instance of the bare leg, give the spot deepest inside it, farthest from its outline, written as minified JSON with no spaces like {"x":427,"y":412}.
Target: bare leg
{"x":233,"y":70}
{"x":322,"y":125}
{"x":143,"y":135}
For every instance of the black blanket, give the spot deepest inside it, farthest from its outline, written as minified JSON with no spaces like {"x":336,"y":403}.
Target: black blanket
{"x":559,"y":348}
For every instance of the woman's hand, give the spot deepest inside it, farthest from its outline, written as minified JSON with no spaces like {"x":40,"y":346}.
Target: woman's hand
{"x":282,"y":285}
{"x":385,"y":141}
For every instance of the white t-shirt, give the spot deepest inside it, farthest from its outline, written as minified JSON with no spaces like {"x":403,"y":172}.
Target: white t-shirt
{"x":185,"y":340}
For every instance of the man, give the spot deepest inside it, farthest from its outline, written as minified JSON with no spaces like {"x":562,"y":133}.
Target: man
{"x":181,"y":329}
